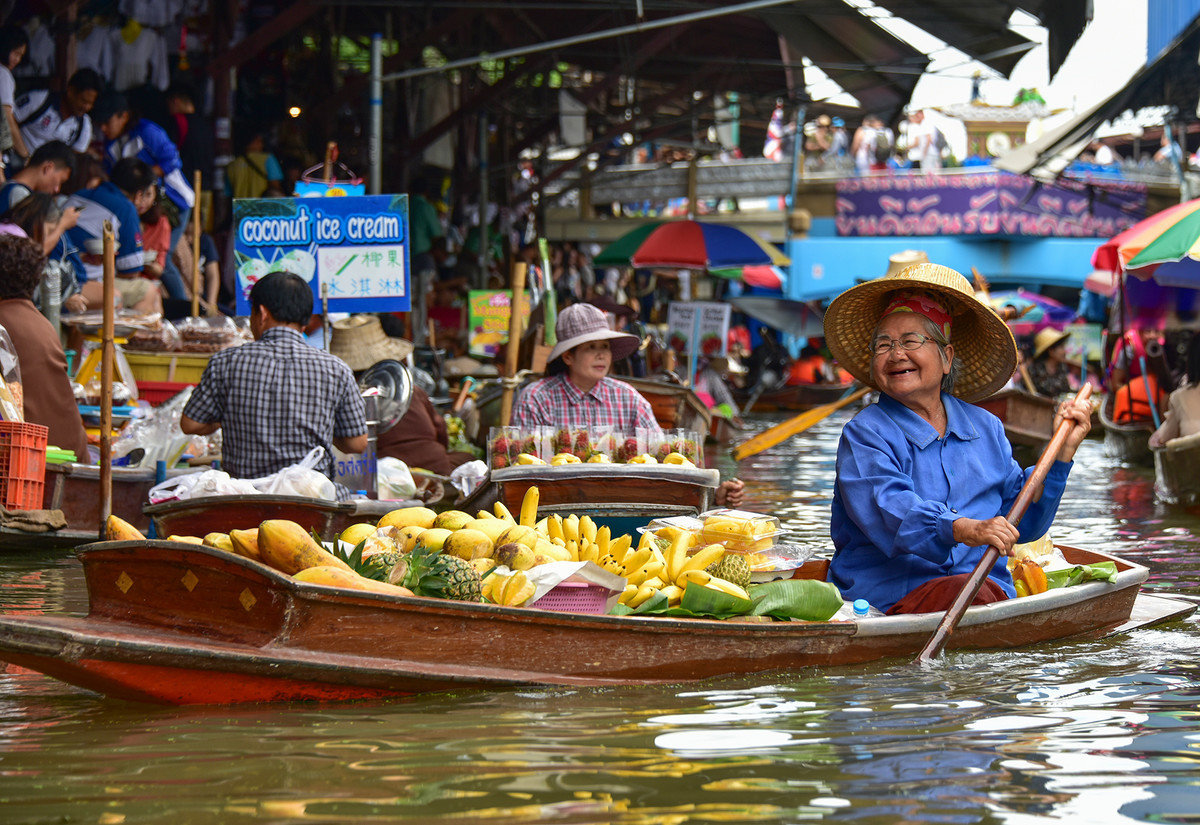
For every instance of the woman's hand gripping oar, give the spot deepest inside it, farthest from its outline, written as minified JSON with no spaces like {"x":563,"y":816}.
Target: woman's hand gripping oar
{"x":1026,"y":497}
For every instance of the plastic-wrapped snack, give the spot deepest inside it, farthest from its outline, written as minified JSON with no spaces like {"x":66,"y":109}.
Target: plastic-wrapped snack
{"x":158,"y":337}
{"x":207,"y":334}
{"x":679,"y":442}
{"x":740,"y":531}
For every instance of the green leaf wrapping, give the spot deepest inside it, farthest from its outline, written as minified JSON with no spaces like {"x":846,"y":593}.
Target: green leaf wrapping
{"x":806,"y":599}
{"x":1104,"y":571}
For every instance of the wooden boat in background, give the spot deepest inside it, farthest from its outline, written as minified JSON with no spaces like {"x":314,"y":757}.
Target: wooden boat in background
{"x":74,"y":489}
{"x":674,"y":406}
{"x":196,"y":516}
{"x":624,"y":496}
{"x":793,"y":397}
{"x":1028,"y":420}
{"x":182,"y":624}
{"x":1129,"y":443}
{"x":1177,"y":470}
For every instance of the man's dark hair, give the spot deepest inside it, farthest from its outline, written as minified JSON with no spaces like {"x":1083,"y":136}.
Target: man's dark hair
{"x":285,"y":295}
{"x":109,"y":104}
{"x":32,"y":213}
{"x":86,"y":80}
{"x":53,"y":151}
{"x":11,"y":38}
{"x":131,"y":175}
{"x":21,"y":262}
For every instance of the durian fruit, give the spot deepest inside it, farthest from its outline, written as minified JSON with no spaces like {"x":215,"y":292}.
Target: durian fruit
{"x":437,"y":575}
{"x":732,"y":568}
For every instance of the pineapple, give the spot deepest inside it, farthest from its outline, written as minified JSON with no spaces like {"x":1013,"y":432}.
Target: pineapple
{"x":732,"y":568}
{"x":375,"y":566}
{"x":433,"y":574}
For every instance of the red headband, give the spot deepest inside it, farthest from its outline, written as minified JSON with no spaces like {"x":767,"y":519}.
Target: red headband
{"x":921,"y":304}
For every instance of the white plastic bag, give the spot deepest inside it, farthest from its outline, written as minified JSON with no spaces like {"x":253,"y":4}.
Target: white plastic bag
{"x":394,"y":480}
{"x":197,"y":485}
{"x":300,"y":479}
{"x":467,"y":477}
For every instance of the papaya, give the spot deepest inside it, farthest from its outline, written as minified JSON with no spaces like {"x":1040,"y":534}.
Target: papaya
{"x":245,"y":543}
{"x":186,"y":539}
{"x":117,"y":529}
{"x":288,"y":547}
{"x":330,"y":576}
{"x":220,"y":541}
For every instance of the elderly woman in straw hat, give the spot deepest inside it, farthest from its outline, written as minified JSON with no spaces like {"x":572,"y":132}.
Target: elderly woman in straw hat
{"x":578,"y":392}
{"x":924,"y":476}
{"x":1050,"y":373}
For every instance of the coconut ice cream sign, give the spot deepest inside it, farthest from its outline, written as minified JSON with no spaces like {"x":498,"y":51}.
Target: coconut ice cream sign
{"x":352,"y":250}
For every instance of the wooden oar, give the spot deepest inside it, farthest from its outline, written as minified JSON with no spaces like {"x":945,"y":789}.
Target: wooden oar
{"x":1034,"y":483}
{"x":769,"y":438}
{"x":107,"y":361}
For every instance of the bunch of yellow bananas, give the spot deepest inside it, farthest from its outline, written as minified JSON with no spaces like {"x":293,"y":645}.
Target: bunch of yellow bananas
{"x":651,"y":570}
{"x":741,"y":534}
{"x":512,"y":590}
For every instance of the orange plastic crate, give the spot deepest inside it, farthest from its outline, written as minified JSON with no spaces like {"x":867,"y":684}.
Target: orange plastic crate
{"x":22,"y":464}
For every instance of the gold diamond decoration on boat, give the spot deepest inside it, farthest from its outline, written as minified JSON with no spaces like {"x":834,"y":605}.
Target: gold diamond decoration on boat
{"x":124,"y":582}
{"x":190,"y":581}
{"x":247,"y":599}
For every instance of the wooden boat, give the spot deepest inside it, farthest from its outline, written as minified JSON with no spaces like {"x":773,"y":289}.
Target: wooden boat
{"x":196,"y":516}
{"x":75,"y":490}
{"x":183,"y":624}
{"x":1028,"y":420}
{"x":1177,"y":470}
{"x":624,"y":496}
{"x":793,"y":397}
{"x":674,"y":406}
{"x":1129,"y":443}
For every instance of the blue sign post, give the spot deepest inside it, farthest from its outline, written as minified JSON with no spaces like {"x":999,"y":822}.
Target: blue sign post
{"x":358,"y":246}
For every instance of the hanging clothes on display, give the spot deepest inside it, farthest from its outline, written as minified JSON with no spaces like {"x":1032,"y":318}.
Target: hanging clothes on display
{"x":156,"y":13}
{"x":141,"y":58}
{"x":95,"y":44}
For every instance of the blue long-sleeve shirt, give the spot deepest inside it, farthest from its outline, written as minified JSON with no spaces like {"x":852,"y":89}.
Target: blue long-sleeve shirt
{"x":149,"y":142}
{"x":900,"y":488}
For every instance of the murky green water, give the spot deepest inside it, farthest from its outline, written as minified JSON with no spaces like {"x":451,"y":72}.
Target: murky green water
{"x":1089,"y":732}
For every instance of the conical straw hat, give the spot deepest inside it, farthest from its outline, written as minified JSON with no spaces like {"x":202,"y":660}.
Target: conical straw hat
{"x":360,"y":341}
{"x":980,"y":338}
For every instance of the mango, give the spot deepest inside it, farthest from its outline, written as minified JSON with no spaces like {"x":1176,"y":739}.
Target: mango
{"x":409,"y":516}
{"x":468,"y":545}
{"x":452,"y":520}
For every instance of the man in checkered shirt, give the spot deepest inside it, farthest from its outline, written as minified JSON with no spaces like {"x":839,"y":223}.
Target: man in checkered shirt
{"x":577,"y":391}
{"x":278,"y":397}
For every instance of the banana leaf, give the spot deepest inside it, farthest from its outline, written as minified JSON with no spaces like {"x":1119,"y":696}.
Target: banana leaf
{"x":698,"y":603}
{"x":1104,"y":571}
{"x":805,"y":599}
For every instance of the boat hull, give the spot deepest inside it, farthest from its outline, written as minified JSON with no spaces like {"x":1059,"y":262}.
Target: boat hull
{"x":183,"y":624}
{"x":1128,"y":443}
{"x":1177,"y":471}
{"x":197,"y":516}
{"x":794,"y":397}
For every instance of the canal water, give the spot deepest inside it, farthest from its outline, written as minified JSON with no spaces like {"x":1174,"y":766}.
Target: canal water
{"x":1101,"y":731}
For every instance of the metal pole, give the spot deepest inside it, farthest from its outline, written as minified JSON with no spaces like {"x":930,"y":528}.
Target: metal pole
{"x":107,"y":360}
{"x":196,"y":250}
{"x":551,"y":45}
{"x":375,"y":144}
{"x":797,"y":165}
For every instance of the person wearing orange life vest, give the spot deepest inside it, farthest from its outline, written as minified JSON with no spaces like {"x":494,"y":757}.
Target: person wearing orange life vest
{"x":1135,"y":382}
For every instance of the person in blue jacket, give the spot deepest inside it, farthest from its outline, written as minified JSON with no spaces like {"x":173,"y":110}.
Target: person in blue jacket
{"x":128,"y":135}
{"x":924,"y":477}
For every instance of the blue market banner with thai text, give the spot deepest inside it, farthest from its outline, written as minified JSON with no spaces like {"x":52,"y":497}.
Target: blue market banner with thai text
{"x":355,"y":247}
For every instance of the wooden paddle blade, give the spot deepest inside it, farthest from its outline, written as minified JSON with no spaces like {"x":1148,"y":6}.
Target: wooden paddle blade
{"x":1033,"y":486}
{"x":786,"y":429}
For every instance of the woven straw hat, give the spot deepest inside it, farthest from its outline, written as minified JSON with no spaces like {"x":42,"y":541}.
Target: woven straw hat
{"x":360,"y":341}
{"x":907,"y":257}
{"x":580,"y":323}
{"x":1046,"y":340}
{"x":980,"y":338}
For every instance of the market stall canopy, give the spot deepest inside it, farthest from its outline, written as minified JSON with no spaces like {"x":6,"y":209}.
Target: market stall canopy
{"x":798,"y":318}
{"x":689,"y":245}
{"x":1170,"y":80}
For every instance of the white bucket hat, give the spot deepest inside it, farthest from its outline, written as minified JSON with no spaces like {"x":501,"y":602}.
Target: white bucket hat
{"x":580,"y":323}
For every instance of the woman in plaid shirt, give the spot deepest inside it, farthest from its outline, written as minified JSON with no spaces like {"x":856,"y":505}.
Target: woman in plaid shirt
{"x":578,"y":392}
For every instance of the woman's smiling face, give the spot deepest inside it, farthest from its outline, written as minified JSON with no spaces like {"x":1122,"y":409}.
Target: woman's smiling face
{"x":912,"y":377}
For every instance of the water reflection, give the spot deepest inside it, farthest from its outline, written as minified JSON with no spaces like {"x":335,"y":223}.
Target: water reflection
{"x":1091,"y":731}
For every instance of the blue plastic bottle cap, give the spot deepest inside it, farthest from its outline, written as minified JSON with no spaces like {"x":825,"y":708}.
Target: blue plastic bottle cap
{"x":861,"y":607}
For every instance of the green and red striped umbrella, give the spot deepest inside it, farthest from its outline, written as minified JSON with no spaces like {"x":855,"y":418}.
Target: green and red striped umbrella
{"x":1165,"y":246}
{"x":689,"y":245}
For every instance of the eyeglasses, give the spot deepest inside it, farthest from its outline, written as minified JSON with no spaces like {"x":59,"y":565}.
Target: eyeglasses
{"x":908,"y":343}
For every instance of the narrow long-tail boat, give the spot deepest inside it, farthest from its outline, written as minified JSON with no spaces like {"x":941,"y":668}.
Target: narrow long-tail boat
{"x":183,"y":624}
{"x":1028,"y":420}
{"x":1177,"y":471}
{"x":624,"y":496}
{"x":792,"y":397}
{"x":1129,"y":443}
{"x":196,"y":516}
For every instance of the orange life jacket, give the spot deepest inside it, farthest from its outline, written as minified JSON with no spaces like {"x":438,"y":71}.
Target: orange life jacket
{"x":1132,"y":403}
